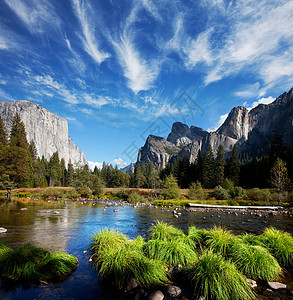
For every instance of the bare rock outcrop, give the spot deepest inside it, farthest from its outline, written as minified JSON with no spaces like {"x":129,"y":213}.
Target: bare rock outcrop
{"x":49,"y":131}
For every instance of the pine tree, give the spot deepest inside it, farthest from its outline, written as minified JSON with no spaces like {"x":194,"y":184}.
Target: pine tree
{"x":171,"y":188}
{"x":33,"y":150}
{"x":209,"y":169}
{"x":199,"y":167}
{"x":18,"y":163}
{"x":234,"y":166}
{"x":138,"y":176}
{"x":63,"y":172}
{"x":3,"y":134}
{"x":220,"y":166}
{"x":54,"y":170}
{"x":3,"y":150}
{"x":70,"y":172}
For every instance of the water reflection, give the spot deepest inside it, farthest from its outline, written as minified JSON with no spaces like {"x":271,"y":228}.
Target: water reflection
{"x":68,"y":226}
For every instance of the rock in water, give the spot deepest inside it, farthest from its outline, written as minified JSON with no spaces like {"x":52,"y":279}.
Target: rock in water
{"x":49,"y":131}
{"x":173,"y":291}
{"x":132,"y":284}
{"x":3,"y":230}
{"x":157,"y":295}
{"x":277,"y":285}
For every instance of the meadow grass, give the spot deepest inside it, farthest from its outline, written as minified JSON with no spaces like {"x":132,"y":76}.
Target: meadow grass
{"x":35,"y":265}
{"x":214,"y":278}
{"x":121,"y":264}
{"x":255,"y":262}
{"x":173,"y":253}
{"x":165,"y":232}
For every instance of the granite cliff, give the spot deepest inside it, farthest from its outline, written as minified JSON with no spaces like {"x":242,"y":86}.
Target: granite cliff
{"x":49,"y":131}
{"x":251,"y":130}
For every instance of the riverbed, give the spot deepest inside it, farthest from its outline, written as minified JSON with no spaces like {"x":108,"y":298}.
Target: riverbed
{"x":69,"y":225}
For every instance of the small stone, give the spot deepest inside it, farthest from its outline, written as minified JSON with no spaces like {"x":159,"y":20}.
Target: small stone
{"x":84,"y":251}
{"x":3,"y":230}
{"x":157,"y":295}
{"x":175,"y":216}
{"x":141,"y":294}
{"x":173,"y":291}
{"x":24,"y":208}
{"x":277,"y":285}
{"x":132,"y":284}
{"x":116,"y":210}
{"x":252,"y":283}
{"x":56,"y":212}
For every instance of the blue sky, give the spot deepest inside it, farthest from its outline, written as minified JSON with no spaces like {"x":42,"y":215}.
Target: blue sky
{"x":120,"y":70}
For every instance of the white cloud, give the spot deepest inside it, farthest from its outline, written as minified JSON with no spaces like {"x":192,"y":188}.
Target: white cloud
{"x":82,"y":11}
{"x":119,"y":162}
{"x":37,"y":15}
{"x":86,"y":111}
{"x":221,"y":120}
{"x":140,"y":73}
{"x":98,"y":101}
{"x":3,"y":82}
{"x":267,"y":100}
{"x":93,"y":164}
{"x":248,"y":91}
{"x":152,"y":9}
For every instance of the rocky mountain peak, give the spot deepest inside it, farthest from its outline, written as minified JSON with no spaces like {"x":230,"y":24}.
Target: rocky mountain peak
{"x":49,"y":131}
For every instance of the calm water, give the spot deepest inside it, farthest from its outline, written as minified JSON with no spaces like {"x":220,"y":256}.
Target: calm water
{"x":71,"y":229}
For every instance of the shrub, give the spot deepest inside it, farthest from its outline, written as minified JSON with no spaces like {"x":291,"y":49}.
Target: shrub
{"x":84,"y":191}
{"x":171,"y":188}
{"x":214,"y":278}
{"x":255,"y":262}
{"x":237,"y":192}
{"x":74,"y":194}
{"x":196,"y":192}
{"x":135,"y":198}
{"x":164,"y":232}
{"x":259,"y":195}
{"x":221,"y":193}
{"x":122,"y":194}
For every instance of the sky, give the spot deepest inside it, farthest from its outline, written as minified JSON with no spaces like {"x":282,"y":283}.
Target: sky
{"x":121,"y":70}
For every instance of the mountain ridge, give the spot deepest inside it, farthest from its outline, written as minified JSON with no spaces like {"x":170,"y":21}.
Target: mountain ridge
{"x":251,"y":130}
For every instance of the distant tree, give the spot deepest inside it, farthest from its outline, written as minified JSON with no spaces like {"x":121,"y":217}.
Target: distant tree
{"x":209,"y":169}
{"x":33,"y":150}
{"x":279,"y":177}
{"x":276,"y":147}
{"x":199,"y":167}
{"x":17,"y":133}
{"x":3,"y":151}
{"x":63,"y":172}
{"x":196,"y":191}
{"x":3,"y":134}
{"x":54,"y":170}
{"x":171,"y":188}
{"x":220,"y":166}
{"x":139,"y":178}
{"x":234,"y":166}
{"x":70,"y":172}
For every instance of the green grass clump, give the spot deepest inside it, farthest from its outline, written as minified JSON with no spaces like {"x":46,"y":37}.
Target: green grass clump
{"x":138,"y":243}
{"x":173,"y":253}
{"x":107,"y":239}
{"x":121,"y":264}
{"x":196,"y":235}
{"x":29,"y":264}
{"x":255,"y":262}
{"x":219,"y":240}
{"x":214,"y":278}
{"x":280,"y":245}
{"x":165,"y":232}
{"x":3,"y":248}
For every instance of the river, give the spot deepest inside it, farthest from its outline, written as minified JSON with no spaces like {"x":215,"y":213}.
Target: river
{"x":69,"y":225}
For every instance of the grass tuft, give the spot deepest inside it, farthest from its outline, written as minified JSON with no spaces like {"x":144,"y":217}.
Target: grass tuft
{"x":165,"y":232}
{"x":173,"y":253}
{"x":214,"y":278}
{"x":255,"y":262}
{"x":121,"y":264}
{"x":280,"y":245}
{"x":28,"y":264}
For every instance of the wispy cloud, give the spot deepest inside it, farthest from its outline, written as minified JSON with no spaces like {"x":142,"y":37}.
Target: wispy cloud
{"x":82,"y":11}
{"x":266,"y":100}
{"x":248,"y":91}
{"x":93,"y":164}
{"x":37,"y":15}
{"x":221,"y":120}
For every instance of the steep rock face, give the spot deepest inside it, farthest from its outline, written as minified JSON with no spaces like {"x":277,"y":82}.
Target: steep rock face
{"x":252,"y":131}
{"x":49,"y":131}
{"x":157,"y":150}
{"x":181,"y":134}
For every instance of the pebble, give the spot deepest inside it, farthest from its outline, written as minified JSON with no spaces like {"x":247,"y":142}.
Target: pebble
{"x":173,"y":291}
{"x":132,"y":284}
{"x":157,"y":295}
{"x":56,"y":212}
{"x":3,"y":230}
{"x":277,"y":285}
{"x":116,"y":210}
{"x":24,"y":208}
{"x":84,"y":251}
